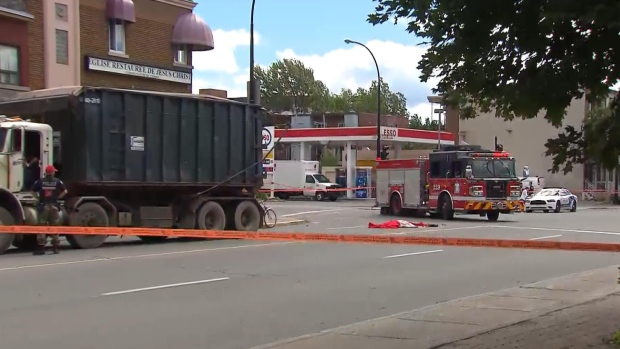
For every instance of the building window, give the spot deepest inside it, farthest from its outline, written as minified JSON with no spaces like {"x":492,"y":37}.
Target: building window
{"x":180,"y":54}
{"x":62,"y":46}
{"x":61,"y":12}
{"x":9,"y":65}
{"x":117,"y":35}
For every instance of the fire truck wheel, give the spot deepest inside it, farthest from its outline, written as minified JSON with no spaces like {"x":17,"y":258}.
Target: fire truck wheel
{"x":396,"y":206}
{"x":493,"y":216}
{"x":447,"y":211}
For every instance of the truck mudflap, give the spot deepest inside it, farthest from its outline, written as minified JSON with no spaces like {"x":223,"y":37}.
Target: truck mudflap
{"x":503,"y":205}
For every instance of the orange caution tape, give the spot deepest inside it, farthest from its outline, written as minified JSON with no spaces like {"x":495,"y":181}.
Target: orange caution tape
{"x":376,"y":239}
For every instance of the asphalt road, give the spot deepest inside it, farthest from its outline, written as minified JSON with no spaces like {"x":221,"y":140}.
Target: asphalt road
{"x":240,"y":294}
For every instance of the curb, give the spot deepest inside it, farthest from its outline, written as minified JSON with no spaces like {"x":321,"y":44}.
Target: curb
{"x":592,"y":295}
{"x":292,"y":222}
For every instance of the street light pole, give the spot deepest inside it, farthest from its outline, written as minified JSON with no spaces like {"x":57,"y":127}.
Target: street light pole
{"x":251,"y":97}
{"x":347,"y":41}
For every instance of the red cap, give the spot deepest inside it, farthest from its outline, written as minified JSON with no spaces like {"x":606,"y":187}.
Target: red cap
{"x":49,"y":169}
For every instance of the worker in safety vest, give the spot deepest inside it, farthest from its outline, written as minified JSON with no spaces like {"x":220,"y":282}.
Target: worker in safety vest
{"x":49,"y":191}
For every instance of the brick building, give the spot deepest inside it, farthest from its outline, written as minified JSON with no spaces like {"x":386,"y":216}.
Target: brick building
{"x":21,"y":46}
{"x":339,"y":120}
{"x":285,"y":151}
{"x":139,"y":44}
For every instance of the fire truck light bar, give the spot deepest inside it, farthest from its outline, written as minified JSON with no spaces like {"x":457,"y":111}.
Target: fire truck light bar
{"x":487,"y":155}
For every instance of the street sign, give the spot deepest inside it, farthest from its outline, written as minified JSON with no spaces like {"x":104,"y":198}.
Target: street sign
{"x":268,"y":134}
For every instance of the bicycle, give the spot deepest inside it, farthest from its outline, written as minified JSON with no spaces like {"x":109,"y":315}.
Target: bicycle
{"x":270,"y":216}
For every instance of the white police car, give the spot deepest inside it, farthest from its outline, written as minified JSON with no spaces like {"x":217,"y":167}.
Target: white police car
{"x":552,"y":199}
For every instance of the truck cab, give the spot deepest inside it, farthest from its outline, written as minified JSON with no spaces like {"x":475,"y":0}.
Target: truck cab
{"x":21,"y":141}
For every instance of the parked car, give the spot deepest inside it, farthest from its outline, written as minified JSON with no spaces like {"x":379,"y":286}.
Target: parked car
{"x":553,"y":199}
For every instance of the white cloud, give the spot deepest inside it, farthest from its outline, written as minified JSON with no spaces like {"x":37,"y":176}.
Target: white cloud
{"x":352,"y":66}
{"x":219,"y":68}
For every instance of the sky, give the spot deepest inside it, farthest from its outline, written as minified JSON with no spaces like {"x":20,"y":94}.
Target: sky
{"x":313,"y":32}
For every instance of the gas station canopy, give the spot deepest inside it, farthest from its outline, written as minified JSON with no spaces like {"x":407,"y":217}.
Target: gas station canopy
{"x":361,"y":135}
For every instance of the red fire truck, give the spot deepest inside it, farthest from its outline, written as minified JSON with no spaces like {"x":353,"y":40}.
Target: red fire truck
{"x":454,"y":179}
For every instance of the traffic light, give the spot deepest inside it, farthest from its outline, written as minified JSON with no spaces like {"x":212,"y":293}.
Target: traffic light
{"x":385,"y":152}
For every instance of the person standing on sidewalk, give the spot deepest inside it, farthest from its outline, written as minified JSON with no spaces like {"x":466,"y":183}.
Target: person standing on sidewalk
{"x":49,"y":191}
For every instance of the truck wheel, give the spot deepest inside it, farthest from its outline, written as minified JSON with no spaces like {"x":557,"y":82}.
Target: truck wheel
{"x":319,"y":196}
{"x":396,"y":206}
{"x":25,"y":242}
{"x":445,"y":205}
{"x":211,"y":216}
{"x":247,"y":217}
{"x":493,"y":216}
{"x":6,"y":218}
{"x":90,"y":214}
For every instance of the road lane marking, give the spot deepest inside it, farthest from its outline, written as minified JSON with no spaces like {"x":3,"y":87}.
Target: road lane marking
{"x":116,"y":293}
{"x":424,"y":230}
{"x":546,"y":237}
{"x":304,"y":212}
{"x":143,"y":256}
{"x":355,"y":226}
{"x":411,"y":254}
{"x":559,"y":230}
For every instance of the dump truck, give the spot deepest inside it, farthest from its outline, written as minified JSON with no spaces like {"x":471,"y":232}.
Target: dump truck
{"x":132,"y":159}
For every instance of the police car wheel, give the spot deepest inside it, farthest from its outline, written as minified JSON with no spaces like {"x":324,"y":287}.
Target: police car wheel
{"x":558,"y":207}
{"x":573,"y":207}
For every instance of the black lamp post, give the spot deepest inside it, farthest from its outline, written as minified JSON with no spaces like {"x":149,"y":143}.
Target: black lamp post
{"x":347,"y":41}
{"x":251,"y":96}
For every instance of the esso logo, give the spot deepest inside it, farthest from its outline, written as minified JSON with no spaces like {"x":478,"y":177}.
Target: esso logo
{"x":389,"y":133}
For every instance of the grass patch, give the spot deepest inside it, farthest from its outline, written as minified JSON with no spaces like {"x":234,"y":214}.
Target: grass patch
{"x":615,"y":339}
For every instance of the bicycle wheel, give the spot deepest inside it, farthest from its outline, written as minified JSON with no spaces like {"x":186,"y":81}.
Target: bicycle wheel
{"x":270,"y":218}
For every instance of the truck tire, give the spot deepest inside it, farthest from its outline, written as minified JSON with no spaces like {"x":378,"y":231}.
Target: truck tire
{"x":6,"y":240}
{"x":493,"y":216}
{"x":25,"y":242}
{"x":446,"y":208}
{"x":211,"y":216}
{"x":247,"y":217}
{"x":396,"y":205}
{"x":90,"y":214}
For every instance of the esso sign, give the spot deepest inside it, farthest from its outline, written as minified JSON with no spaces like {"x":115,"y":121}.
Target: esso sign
{"x":388,"y":133}
{"x":268,"y":137}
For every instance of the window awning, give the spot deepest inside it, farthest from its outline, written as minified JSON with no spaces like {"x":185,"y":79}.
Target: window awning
{"x":193,"y":31}
{"x":121,"y":9}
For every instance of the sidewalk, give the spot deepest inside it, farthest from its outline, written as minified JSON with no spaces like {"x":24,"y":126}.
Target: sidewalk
{"x":573,"y":312}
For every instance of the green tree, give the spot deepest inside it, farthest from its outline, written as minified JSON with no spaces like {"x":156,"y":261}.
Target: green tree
{"x":523,"y":58}
{"x":416,"y":122}
{"x":365,"y":100}
{"x":288,"y":84}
